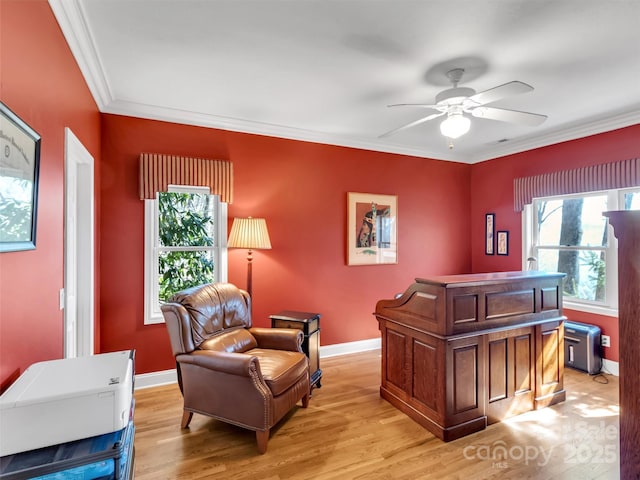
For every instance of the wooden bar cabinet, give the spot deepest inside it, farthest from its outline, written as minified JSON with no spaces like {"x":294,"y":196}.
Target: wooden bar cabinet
{"x":464,"y":351}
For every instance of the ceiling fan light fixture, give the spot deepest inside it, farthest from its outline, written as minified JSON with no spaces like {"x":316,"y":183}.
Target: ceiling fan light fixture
{"x":455,"y":125}
{"x":457,"y":101}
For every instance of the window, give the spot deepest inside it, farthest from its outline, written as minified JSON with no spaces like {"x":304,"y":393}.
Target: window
{"x":570,"y":234}
{"x":185,"y":244}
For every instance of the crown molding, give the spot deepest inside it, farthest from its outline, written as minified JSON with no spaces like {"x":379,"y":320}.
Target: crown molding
{"x":154,"y":112}
{"x":73,"y":23}
{"x":562,"y":135}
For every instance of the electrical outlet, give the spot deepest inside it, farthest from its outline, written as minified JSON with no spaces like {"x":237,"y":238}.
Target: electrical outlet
{"x":605,"y":340}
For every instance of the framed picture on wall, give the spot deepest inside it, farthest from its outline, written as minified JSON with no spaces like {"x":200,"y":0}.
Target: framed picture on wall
{"x":372,"y":230}
{"x":502,"y":242}
{"x":489,"y":230}
{"x":19,"y":165}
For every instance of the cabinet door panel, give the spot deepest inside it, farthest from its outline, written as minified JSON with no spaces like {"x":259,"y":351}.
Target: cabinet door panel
{"x":396,"y":359}
{"x":498,"y":374}
{"x":425,"y":374}
{"x":511,"y":369}
{"x":523,"y":363}
{"x":550,"y":361}
{"x":465,"y":373}
{"x":550,"y":364}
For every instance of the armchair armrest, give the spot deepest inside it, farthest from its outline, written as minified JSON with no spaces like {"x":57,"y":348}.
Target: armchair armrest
{"x":278,"y":338}
{"x":232,"y":363}
{"x":178,"y":324}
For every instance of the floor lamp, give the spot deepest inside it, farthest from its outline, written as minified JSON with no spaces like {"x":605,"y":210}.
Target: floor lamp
{"x":250,"y":233}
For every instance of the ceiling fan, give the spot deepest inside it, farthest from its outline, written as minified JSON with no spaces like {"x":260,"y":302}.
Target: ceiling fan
{"x":457,"y":101}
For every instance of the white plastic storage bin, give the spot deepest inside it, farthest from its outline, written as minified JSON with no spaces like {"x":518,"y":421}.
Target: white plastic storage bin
{"x":59,"y":401}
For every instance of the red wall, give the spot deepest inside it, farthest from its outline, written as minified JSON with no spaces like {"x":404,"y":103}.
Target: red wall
{"x":485,"y":198}
{"x":300,"y":188}
{"x":41,"y":83}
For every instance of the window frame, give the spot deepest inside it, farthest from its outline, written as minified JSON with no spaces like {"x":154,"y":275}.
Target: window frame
{"x":152,"y":312}
{"x":615,"y":199}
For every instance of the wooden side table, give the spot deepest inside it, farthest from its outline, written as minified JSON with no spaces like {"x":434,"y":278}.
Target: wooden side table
{"x":309,"y":323}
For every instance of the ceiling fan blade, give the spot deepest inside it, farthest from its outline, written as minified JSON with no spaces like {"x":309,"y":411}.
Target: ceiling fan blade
{"x":511,"y":116}
{"x":500,"y":92}
{"x":421,"y":105}
{"x":412,"y":124}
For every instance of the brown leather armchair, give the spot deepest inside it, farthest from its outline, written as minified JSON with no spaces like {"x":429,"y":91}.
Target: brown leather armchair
{"x":250,"y":377}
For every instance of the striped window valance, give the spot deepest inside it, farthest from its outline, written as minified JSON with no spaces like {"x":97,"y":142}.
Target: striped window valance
{"x":622,"y":174}
{"x":157,"y":172}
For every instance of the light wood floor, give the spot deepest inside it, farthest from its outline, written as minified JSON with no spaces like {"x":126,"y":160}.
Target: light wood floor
{"x":349,"y":432}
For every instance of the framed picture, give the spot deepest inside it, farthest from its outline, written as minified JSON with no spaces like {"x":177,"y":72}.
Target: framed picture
{"x":489,"y":229}
{"x":502,"y":240}
{"x":372,"y":231}
{"x":19,"y":164}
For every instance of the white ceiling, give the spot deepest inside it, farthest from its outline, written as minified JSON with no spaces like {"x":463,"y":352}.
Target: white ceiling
{"x":325,"y":70}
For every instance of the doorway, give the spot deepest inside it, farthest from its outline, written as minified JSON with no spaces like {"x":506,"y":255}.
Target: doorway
{"x":79,"y":309}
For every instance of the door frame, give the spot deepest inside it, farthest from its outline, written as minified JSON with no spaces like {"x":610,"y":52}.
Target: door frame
{"x":79,"y":249}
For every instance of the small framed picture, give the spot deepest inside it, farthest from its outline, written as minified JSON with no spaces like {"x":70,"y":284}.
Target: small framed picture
{"x":489,"y":230}
{"x":503,"y":242}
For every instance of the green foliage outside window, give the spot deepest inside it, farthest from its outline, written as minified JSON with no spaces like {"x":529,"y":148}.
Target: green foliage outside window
{"x":184,"y":220}
{"x":15,"y":209}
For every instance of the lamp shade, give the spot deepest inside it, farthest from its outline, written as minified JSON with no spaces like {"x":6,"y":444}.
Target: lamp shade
{"x":455,"y":125}
{"x":249,"y":233}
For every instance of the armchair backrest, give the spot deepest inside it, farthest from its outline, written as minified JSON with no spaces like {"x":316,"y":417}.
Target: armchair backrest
{"x":199,"y":314}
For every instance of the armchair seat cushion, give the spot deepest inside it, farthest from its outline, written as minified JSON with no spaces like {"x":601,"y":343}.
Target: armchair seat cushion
{"x":280,"y":368}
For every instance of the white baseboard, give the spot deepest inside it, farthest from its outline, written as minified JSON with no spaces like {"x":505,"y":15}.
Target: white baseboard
{"x":611,"y":367}
{"x":155,"y":379}
{"x":166,"y":377}
{"x":350,"y":347}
